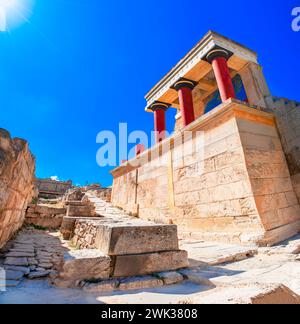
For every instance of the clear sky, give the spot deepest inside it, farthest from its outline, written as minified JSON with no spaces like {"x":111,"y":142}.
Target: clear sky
{"x":82,"y":66}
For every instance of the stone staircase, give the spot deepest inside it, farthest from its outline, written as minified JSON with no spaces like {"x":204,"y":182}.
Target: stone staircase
{"x":131,"y":246}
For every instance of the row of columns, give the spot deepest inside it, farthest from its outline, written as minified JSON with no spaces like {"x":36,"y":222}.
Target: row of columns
{"x":218,"y":59}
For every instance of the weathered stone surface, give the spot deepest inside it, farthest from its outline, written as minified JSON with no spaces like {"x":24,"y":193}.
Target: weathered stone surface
{"x":137,"y":283}
{"x":38,"y":274}
{"x":142,"y":264}
{"x":238,"y":191}
{"x":16,"y":262}
{"x":20,"y":254}
{"x":17,"y":166}
{"x":119,"y":239}
{"x":24,"y":270}
{"x":45,"y":216}
{"x":171,"y":277}
{"x":13,"y":275}
{"x":85,"y":265}
{"x":32,"y":262}
{"x":101,"y":287}
{"x":249,"y":294}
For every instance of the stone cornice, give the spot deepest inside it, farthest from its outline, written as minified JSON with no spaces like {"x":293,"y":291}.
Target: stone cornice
{"x":198,"y":53}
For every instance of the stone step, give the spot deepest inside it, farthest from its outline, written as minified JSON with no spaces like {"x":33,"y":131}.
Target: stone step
{"x":148,"y":263}
{"x":127,"y":236}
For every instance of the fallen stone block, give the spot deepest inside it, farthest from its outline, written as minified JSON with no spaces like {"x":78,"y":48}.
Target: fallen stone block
{"x":148,"y":263}
{"x":85,"y":265}
{"x":145,"y":282}
{"x":119,"y":239}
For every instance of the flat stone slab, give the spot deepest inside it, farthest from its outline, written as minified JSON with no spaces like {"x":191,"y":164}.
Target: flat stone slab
{"x":142,"y":264}
{"x":137,"y":283}
{"x":16,"y":262}
{"x":20,"y":254}
{"x":38,"y":274}
{"x":24,"y":270}
{"x":216,"y":253}
{"x":85,"y":265}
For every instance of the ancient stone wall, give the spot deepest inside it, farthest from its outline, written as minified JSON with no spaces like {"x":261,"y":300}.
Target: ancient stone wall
{"x":45,"y":216}
{"x":240,"y":191}
{"x":17,"y":167}
{"x":50,"y":188}
{"x":288,"y":122}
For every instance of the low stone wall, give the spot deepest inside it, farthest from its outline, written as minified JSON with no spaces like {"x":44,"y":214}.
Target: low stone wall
{"x":45,"y":216}
{"x":17,"y":167}
{"x":239,"y":191}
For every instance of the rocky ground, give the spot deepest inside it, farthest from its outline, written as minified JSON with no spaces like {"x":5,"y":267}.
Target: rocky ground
{"x":218,"y":274}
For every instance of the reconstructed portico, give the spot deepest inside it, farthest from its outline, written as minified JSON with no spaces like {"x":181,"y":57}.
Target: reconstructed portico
{"x":246,"y":191}
{"x":207,"y":69}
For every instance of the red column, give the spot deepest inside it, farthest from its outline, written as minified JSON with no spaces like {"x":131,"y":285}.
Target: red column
{"x":185,"y":88}
{"x":159,"y":109}
{"x":160,"y":124}
{"x":218,"y":59}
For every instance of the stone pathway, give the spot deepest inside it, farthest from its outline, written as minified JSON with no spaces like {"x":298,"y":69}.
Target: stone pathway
{"x":33,"y":254}
{"x":214,"y":253}
{"x":219,"y":272}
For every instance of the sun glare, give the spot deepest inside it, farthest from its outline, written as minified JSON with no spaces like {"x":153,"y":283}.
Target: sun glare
{"x":6,"y":4}
{"x":14,"y":13}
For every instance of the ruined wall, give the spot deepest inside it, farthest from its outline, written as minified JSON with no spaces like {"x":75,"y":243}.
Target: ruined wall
{"x":45,"y":216}
{"x":48,"y":188}
{"x":288,"y":122}
{"x":17,"y":167}
{"x":244,"y":193}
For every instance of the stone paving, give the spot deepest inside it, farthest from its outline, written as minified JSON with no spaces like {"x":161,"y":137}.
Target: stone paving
{"x":33,"y":254}
{"x":217,"y":273}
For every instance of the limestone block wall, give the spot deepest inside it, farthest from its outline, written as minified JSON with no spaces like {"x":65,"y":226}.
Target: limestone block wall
{"x":45,"y":216}
{"x":48,"y":188}
{"x":288,"y":122}
{"x":17,"y":167}
{"x":239,"y":191}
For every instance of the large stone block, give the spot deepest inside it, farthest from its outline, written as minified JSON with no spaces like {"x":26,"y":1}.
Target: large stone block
{"x":85,"y":265}
{"x":118,"y":239}
{"x":142,"y":264}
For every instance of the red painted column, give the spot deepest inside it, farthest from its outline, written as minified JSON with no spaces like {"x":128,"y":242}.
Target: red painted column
{"x":159,"y":109}
{"x":185,"y":88}
{"x":160,"y":125}
{"x":218,"y":59}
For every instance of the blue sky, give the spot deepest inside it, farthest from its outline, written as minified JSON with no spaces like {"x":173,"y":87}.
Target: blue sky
{"x":82,"y":66}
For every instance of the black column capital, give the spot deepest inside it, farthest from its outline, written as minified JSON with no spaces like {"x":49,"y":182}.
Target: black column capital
{"x":217,"y":52}
{"x":184,"y":83}
{"x":158,"y":105}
